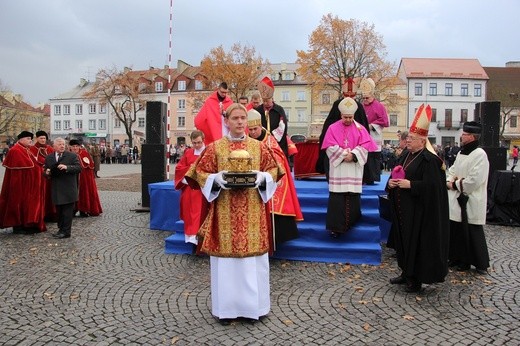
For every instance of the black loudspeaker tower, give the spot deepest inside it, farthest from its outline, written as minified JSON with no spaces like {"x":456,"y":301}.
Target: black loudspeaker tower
{"x":153,"y":169}
{"x":497,"y":158}
{"x":155,"y":122}
{"x":488,"y":114}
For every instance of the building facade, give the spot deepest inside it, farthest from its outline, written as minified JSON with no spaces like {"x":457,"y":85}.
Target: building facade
{"x":451,"y":87}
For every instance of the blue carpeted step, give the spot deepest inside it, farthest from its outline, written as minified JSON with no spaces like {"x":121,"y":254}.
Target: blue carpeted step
{"x":361,"y":244}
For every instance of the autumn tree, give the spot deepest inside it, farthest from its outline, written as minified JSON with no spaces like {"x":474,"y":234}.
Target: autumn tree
{"x":508,"y":95}
{"x":339,"y":49}
{"x":124,"y":92}
{"x":7,"y":111}
{"x":241,"y":68}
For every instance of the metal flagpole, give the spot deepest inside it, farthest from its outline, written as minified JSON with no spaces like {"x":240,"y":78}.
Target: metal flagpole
{"x":168,"y":106}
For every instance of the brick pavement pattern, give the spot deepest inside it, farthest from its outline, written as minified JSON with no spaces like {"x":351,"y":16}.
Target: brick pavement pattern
{"x":112,"y":284}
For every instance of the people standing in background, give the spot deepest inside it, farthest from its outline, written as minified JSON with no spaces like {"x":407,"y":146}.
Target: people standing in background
{"x":210,"y":118}
{"x":135,"y":153}
{"x":419,"y":205}
{"x":63,"y":167}
{"x":88,"y":203}
{"x":40,"y":150}
{"x":274,"y":119}
{"x":21,"y":199}
{"x":377,"y":121}
{"x":514,"y":155}
{"x":193,"y":206}
{"x":237,"y":245}
{"x":347,"y":144}
{"x":467,"y":182}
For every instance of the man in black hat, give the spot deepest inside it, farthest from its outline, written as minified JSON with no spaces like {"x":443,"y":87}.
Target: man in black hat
{"x":467,"y":181}
{"x":21,"y":199}
{"x":40,"y":150}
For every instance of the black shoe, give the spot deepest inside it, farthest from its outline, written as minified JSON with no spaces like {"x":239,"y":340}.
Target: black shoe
{"x":413,"y":287}
{"x":249,"y":320}
{"x":463,"y":267}
{"x":83,"y":214}
{"x":61,"y":235}
{"x":453,"y":263}
{"x":19,"y":230}
{"x":398,"y":280}
{"x":481,"y":271}
{"x":225,"y":321}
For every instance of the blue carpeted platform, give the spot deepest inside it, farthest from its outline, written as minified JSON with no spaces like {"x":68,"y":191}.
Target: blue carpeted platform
{"x":361,"y":245}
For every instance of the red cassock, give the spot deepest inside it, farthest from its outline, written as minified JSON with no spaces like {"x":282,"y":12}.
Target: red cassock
{"x":285,"y":200}
{"x":88,"y":193}
{"x":209,"y":118}
{"x":21,"y":199}
{"x":40,"y":151}
{"x":193,"y":205}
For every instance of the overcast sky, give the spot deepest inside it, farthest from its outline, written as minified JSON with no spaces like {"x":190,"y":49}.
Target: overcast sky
{"x":46,"y":46}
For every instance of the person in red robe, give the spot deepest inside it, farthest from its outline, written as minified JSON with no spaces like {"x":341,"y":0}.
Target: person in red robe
{"x":88,"y":203}
{"x":284,"y":205}
{"x":193,"y":205}
{"x":209,"y":120}
{"x":40,"y":150}
{"x":21,"y":199}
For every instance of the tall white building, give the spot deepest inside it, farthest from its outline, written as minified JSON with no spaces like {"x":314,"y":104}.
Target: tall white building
{"x":451,"y":87}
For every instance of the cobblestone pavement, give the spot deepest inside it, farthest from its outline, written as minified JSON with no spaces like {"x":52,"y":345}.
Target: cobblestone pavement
{"x":112,"y":284}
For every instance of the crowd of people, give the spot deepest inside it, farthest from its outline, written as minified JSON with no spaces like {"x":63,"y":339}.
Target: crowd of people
{"x":426,"y":186}
{"x":44,"y":183}
{"x":437,"y":196}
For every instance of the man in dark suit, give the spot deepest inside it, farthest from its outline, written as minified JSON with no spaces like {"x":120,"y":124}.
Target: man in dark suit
{"x":63,"y":167}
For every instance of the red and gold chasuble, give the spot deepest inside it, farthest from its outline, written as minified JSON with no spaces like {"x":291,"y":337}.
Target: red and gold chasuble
{"x":236,"y":225}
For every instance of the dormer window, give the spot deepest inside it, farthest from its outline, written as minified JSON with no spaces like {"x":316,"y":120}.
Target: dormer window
{"x":181,"y":85}
{"x":158,"y":86}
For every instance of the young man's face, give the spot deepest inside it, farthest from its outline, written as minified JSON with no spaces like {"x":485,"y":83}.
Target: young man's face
{"x":41,"y":139}
{"x":197,"y":143}
{"x":236,"y":121}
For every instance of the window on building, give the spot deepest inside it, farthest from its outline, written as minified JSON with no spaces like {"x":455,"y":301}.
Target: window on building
{"x":92,"y":108}
{"x":158,"y":86}
{"x":300,"y":113}
{"x":66,"y":125}
{"x":285,"y":96}
{"x":300,"y":96}
{"x":288,"y":76}
{"x":181,"y":121}
{"x":102,"y":124}
{"x":448,"y":117}
{"x":463,"y":115}
{"x":181,"y":104}
{"x":325,"y":99}
{"x":449,"y":89}
{"x":79,"y":109}
{"x":66,"y":109}
{"x":478,"y":90}
{"x":287,"y":112}
{"x":434,"y":115}
{"x":198,"y":85}
{"x":79,"y":125}
{"x":102,"y":108}
{"x":393,"y":119}
{"x":57,"y":110}
{"x":512,"y":122}
{"x":181,"y":85}
{"x":464,"y":89}
{"x":418,"y":89}
{"x":92,"y":124}
{"x":57,"y":125}
{"x":117,"y":122}
{"x":140,"y":122}
{"x":433,"y":89}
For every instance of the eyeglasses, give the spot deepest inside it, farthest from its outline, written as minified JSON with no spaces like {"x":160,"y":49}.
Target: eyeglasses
{"x":412,"y":138}
{"x":366,"y":98}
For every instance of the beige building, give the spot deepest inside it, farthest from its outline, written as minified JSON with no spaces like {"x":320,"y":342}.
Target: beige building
{"x":17,"y":116}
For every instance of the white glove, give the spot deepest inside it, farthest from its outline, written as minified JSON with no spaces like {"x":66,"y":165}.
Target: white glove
{"x":219,"y":180}
{"x":260,"y":179}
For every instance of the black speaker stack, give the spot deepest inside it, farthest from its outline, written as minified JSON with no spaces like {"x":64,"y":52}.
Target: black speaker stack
{"x":153,"y":152}
{"x":488,"y":114}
